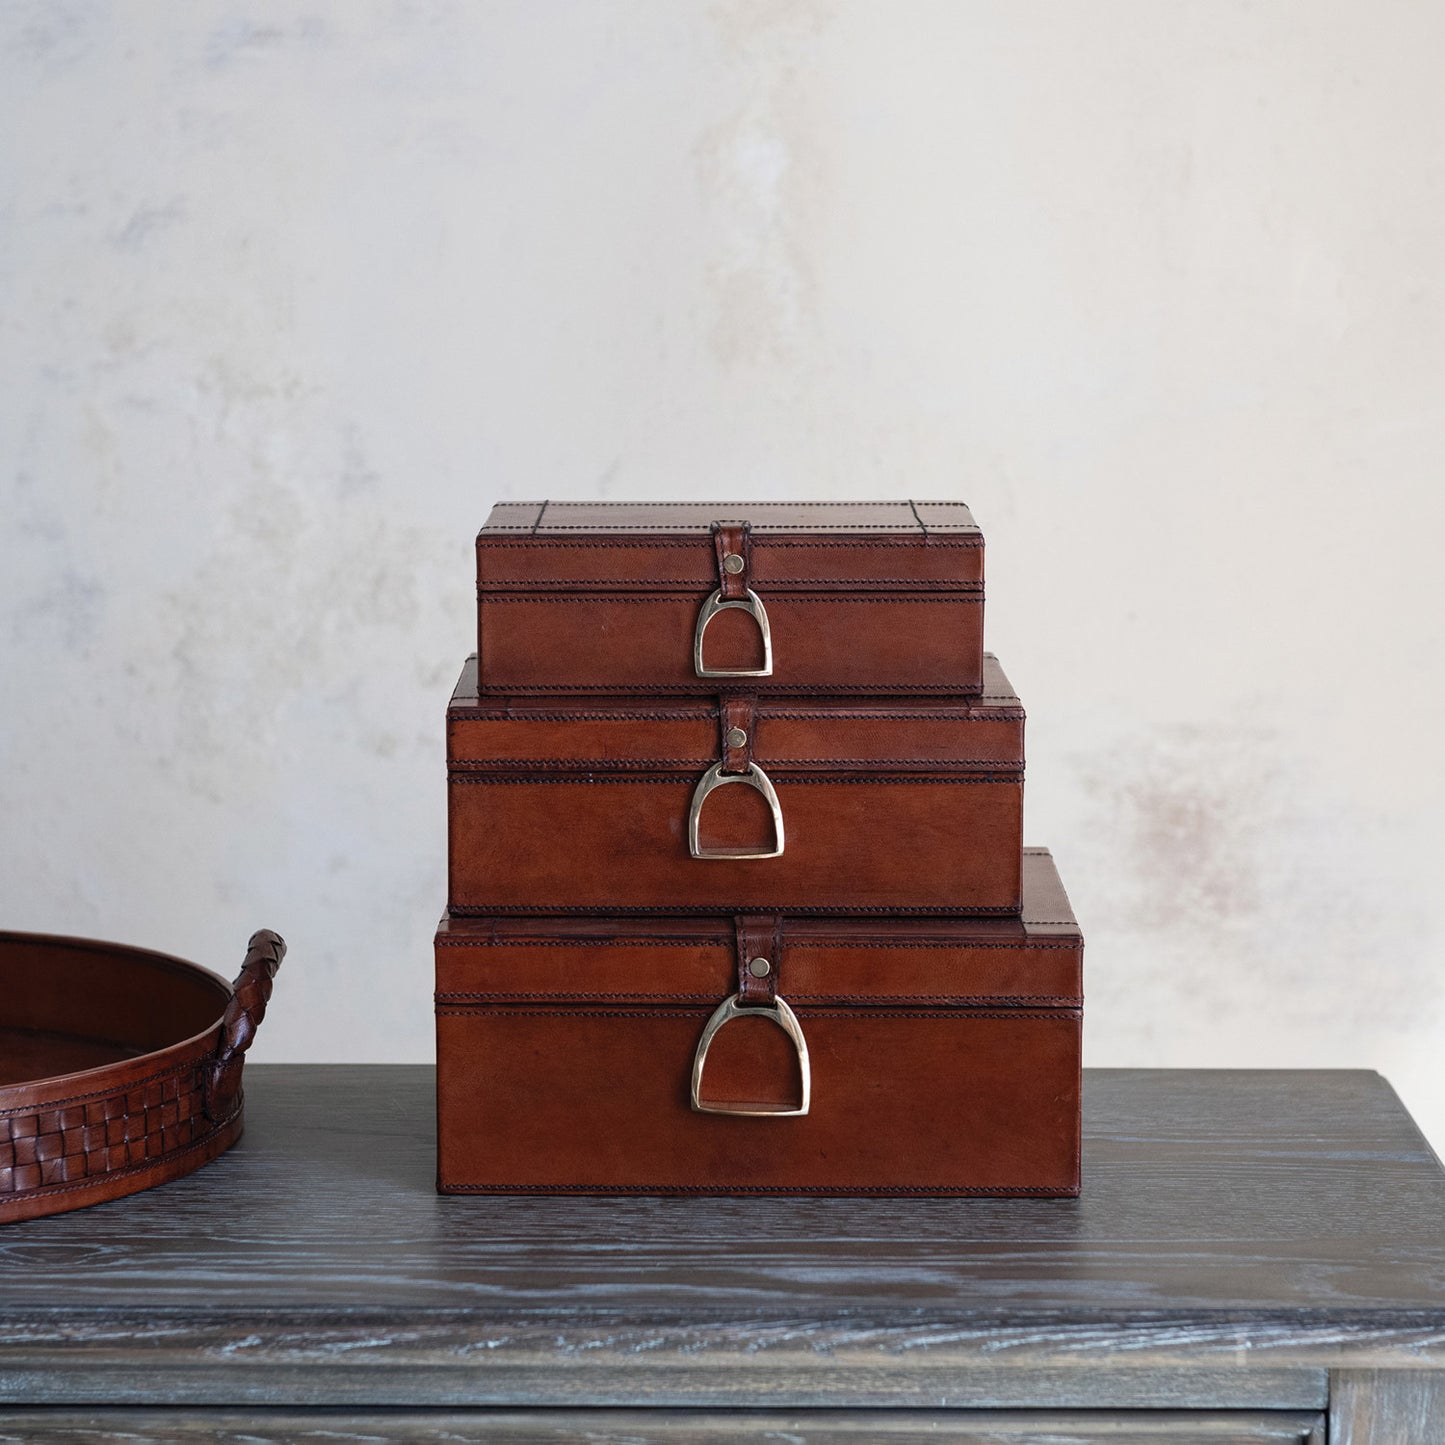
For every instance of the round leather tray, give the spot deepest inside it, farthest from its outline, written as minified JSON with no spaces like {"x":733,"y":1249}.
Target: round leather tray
{"x":119,"y":1068}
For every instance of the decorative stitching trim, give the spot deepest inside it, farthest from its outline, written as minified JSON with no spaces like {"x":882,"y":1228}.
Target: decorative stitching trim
{"x":690,"y":910}
{"x":575,"y":762}
{"x":503,"y":538}
{"x":1011,"y":779}
{"x":967,"y":599}
{"x":967,"y":712}
{"x":175,"y":1070}
{"x":794,"y":944}
{"x":940,"y":1191}
{"x":1070,"y":1002}
{"x":849,"y":689}
{"x":468,"y":713}
{"x":647,"y":1011}
{"x":735,"y":505}
{"x":692,"y":588}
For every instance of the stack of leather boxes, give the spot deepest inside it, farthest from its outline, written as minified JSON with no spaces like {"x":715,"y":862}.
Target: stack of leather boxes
{"x":738,"y":897}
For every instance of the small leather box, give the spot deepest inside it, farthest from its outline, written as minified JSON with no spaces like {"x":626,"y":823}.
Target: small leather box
{"x":814,"y":597}
{"x":622,"y":805}
{"x":762,"y":1054}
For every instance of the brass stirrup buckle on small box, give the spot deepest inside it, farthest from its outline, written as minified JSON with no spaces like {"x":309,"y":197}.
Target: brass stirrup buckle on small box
{"x":751,"y":603}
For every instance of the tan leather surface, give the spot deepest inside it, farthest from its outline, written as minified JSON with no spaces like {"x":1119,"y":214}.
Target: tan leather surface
{"x":699,"y":518}
{"x":945,"y":1054}
{"x":934,"y":965}
{"x":618,"y":842}
{"x":814,"y":733}
{"x":898,"y":804}
{"x":1031,"y":958}
{"x":115,"y":1087}
{"x":860,"y":597}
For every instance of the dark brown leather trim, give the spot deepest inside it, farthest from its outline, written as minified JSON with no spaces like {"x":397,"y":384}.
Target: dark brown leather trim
{"x":733,"y":539}
{"x":737,"y":717}
{"x":759,"y":937}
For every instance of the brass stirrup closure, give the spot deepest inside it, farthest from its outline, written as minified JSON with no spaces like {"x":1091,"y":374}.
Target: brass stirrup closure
{"x":750,"y":602}
{"x":776,"y":1012}
{"x":715,"y":778}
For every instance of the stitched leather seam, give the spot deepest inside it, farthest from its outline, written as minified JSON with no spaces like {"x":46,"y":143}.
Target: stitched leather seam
{"x":643,"y":1011}
{"x":616,"y":538}
{"x":114,"y":1091}
{"x":106,"y":1176}
{"x":708,"y":715}
{"x":967,"y":599}
{"x":963,"y":1000}
{"x":939,"y":1191}
{"x":688,"y":910}
{"x":852,"y":689}
{"x":795,"y":944}
{"x":753,"y":506}
{"x":700,"y":762}
{"x":963,"y":534}
{"x":964,"y":714}
{"x":794,"y":779}
{"x":692,"y":587}
{"x":681,"y":534}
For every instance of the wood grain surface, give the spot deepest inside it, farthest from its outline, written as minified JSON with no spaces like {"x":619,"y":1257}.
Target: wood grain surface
{"x":669,"y":1427}
{"x":1240,"y":1233}
{"x":1387,"y":1407}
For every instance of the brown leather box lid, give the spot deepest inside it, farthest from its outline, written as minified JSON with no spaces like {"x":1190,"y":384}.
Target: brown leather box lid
{"x":583,"y":805}
{"x":1033,"y":960}
{"x":520,"y":733}
{"x":605,"y":597}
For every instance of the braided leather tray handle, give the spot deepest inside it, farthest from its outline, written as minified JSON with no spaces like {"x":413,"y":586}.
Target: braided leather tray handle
{"x":85,"y":1138}
{"x":239,"y":1024}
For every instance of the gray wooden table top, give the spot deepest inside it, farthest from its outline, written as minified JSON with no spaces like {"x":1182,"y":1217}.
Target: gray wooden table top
{"x":1245,"y":1217}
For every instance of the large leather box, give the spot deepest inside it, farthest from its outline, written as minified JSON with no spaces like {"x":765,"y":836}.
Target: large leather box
{"x":942,"y":1054}
{"x":872,"y":597}
{"x":597,"y":805}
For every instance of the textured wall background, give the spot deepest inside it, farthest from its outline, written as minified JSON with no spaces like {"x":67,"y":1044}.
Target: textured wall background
{"x":290,"y":293}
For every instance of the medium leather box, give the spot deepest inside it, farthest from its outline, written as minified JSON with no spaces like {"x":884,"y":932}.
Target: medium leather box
{"x":814,"y":597}
{"x":595,"y":805}
{"x":666,"y":1055}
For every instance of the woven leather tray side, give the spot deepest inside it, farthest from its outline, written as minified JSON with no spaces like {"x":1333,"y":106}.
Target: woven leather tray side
{"x":151,"y":1108}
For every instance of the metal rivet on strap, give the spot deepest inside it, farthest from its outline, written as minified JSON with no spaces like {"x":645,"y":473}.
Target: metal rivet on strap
{"x":736,"y":737}
{"x":733,"y":563}
{"x":760,"y":968}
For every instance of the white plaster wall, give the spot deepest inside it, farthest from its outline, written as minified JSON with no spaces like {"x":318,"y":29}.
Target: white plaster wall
{"x":290,"y":293}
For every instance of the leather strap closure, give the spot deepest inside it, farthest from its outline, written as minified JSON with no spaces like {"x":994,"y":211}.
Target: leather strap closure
{"x":737,"y":716}
{"x":760,"y":947}
{"x":759,"y":944}
{"x":733,"y":543}
{"x":733,"y":547}
{"x":736,"y":719}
